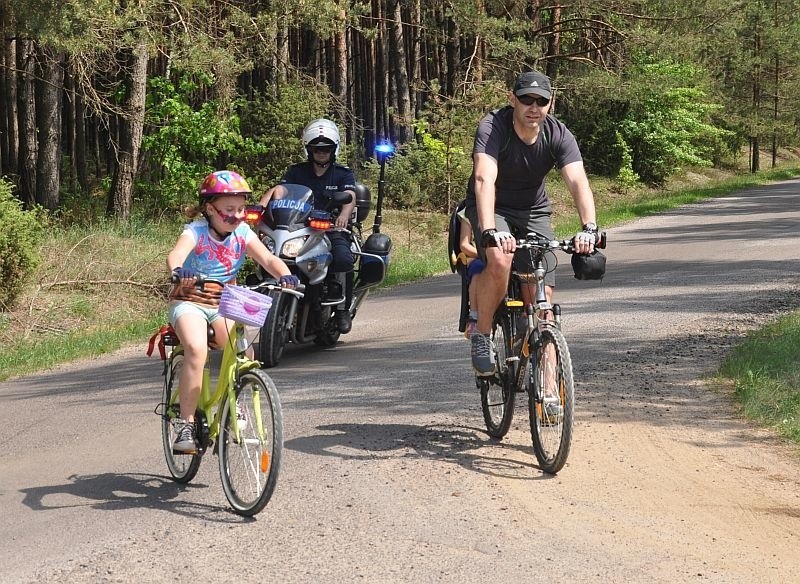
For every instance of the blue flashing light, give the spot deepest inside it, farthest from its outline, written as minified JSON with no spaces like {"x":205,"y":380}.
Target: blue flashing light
{"x":384,"y":149}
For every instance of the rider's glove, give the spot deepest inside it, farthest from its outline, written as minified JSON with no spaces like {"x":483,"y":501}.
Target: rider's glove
{"x":182,"y":273}
{"x":588,"y":234}
{"x":290,"y":281}
{"x":492,"y":237}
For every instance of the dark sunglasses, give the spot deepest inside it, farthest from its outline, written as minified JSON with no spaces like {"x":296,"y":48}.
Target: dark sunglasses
{"x":531,"y":99}
{"x":322,"y":148}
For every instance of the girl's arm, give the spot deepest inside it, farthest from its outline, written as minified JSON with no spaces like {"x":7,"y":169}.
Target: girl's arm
{"x":180,"y":252}
{"x":465,"y":240}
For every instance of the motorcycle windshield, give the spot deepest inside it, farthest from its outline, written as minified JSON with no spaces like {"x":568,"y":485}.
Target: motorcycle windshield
{"x":291,"y":210}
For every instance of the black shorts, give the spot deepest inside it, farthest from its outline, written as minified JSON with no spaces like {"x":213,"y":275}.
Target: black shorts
{"x":518,"y":222}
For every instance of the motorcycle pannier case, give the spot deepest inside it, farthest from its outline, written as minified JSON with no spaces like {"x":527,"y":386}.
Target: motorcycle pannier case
{"x":363,"y":202}
{"x":373,"y":269}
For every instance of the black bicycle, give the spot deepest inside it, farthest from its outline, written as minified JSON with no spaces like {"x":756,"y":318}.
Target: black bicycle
{"x":531,"y":355}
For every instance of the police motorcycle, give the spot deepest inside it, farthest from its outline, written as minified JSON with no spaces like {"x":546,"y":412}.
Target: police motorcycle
{"x":292,"y":229}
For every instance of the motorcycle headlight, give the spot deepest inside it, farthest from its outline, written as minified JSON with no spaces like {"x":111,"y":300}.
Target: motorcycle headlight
{"x":292,"y":247}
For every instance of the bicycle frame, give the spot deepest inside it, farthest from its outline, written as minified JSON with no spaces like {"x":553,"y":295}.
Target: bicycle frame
{"x":535,"y":312}
{"x":234,"y":363}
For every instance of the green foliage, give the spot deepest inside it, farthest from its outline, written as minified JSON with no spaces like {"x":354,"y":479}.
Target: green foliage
{"x":431,"y":173}
{"x":426,"y":174}
{"x":276,"y":120}
{"x":186,"y":142}
{"x":626,"y":177}
{"x":655,"y":120}
{"x":764,"y":370}
{"x":19,"y":246}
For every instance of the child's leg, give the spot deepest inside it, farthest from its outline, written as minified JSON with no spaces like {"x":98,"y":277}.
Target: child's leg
{"x":192,"y":329}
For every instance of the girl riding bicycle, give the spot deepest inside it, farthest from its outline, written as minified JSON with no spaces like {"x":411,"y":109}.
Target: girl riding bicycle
{"x":215,"y":246}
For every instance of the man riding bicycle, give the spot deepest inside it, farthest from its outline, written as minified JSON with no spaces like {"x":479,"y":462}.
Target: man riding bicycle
{"x":515,"y":147}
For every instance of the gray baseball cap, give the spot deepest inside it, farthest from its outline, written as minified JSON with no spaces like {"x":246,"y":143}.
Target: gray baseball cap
{"x":533,"y":82}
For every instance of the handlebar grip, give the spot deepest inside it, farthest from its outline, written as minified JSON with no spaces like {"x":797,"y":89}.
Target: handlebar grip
{"x":602,"y":239}
{"x":200,"y":283}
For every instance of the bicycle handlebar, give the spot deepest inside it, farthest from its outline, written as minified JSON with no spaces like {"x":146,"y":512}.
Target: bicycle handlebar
{"x":536,"y":241}
{"x":200,"y":282}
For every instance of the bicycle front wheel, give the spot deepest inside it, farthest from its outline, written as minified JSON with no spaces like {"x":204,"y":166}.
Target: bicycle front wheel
{"x":497,"y":392}
{"x":551,"y":403}
{"x":182,"y":467}
{"x":251,"y":443}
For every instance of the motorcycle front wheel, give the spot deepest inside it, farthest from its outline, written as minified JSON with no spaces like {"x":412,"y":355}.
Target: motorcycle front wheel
{"x":328,"y":335}
{"x":275,"y":332}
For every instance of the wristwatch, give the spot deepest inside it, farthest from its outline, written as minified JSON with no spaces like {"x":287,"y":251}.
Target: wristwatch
{"x":487,"y":237}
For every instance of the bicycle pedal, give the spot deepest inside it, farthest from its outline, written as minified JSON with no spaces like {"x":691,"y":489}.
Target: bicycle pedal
{"x":179,"y":452}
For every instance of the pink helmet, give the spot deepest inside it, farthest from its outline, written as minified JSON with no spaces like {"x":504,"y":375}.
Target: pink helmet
{"x":223,"y":182}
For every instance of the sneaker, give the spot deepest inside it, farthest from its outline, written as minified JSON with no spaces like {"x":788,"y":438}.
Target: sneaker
{"x":184,"y":441}
{"x":343,"y":321}
{"x":471,"y":329}
{"x":482,"y":352}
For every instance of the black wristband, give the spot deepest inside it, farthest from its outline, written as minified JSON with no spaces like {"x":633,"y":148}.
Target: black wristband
{"x":590,"y":228}
{"x":487,"y":237}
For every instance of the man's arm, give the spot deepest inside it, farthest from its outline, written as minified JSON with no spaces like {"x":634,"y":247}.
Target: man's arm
{"x":578,"y":184}
{"x":277,"y":192}
{"x":346,"y":213}
{"x":485,"y":177}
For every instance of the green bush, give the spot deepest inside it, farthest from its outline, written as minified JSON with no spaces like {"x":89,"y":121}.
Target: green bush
{"x":186,"y":141}
{"x":427,"y":175}
{"x":276,"y":119}
{"x":19,"y":246}
{"x":650,"y":123}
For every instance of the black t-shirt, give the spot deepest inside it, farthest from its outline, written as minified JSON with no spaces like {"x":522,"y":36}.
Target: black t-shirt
{"x":336,"y":178}
{"x":522,"y":168}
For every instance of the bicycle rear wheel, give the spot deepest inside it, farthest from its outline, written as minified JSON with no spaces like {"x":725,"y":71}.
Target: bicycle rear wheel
{"x":182,"y":467}
{"x":249,"y":465}
{"x":551,"y":402}
{"x":497,"y":392}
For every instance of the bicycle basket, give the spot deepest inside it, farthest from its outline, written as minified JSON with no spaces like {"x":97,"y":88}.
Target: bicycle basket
{"x":244,"y":305}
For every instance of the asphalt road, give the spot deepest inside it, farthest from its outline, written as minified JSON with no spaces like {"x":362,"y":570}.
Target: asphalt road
{"x":388,"y":474}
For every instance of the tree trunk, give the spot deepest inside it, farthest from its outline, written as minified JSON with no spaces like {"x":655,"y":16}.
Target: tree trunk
{"x":69,"y":126}
{"x":380,"y":80}
{"x":48,"y":118}
{"x":131,"y":127}
{"x":81,"y":166}
{"x":397,"y":57}
{"x":28,"y":145}
{"x":755,"y":162}
{"x":554,"y":42}
{"x":341,"y":82}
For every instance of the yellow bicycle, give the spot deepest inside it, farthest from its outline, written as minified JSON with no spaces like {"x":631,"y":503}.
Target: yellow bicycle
{"x":241,"y":418}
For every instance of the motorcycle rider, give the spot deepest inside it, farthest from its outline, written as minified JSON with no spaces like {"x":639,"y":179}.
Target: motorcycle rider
{"x":323,"y":176}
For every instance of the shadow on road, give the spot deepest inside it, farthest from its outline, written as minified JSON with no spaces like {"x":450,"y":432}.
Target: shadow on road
{"x":115,"y":492}
{"x":466,"y":447}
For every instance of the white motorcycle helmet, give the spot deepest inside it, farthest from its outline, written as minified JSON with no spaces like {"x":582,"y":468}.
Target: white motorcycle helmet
{"x":321,"y":131}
